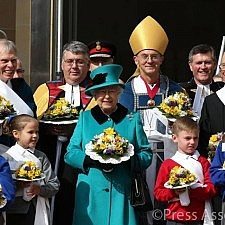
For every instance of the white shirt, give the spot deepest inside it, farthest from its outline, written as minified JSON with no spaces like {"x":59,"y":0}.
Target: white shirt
{"x":201,"y":92}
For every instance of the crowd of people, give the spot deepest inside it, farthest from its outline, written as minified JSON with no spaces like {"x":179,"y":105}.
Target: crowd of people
{"x":78,"y":188}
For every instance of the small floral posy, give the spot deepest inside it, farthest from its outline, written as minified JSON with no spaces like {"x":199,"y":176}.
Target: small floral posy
{"x":28,"y":171}
{"x":110,"y":146}
{"x":213,"y":143}
{"x":176,"y":105}
{"x":61,"y":110}
{"x":180,"y":177}
{"x":6,"y":108}
{"x":3,"y":200}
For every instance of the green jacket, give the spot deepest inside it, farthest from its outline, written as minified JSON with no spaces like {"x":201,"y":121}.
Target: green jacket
{"x":103,"y":198}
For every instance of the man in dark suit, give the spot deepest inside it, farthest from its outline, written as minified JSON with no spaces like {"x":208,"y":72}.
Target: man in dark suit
{"x":202,"y":63}
{"x":212,"y":121}
{"x":210,"y":109}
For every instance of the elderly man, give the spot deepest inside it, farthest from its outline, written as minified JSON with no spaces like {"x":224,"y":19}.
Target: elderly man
{"x":17,"y":91}
{"x":19,"y":72}
{"x":202,"y":63}
{"x":75,"y":66}
{"x":221,"y":74}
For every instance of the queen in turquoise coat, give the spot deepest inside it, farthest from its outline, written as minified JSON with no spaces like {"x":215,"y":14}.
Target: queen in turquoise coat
{"x":103,"y":190}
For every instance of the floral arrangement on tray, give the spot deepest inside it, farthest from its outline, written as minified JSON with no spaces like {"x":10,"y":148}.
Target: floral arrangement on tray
{"x":213,"y":143}
{"x":176,"y":105}
{"x":61,"y":110}
{"x":109,"y":145}
{"x":180,"y":177}
{"x":6,"y":108}
{"x":28,"y":171}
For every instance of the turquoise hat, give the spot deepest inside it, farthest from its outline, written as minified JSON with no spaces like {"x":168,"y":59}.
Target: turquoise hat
{"x":104,"y":76}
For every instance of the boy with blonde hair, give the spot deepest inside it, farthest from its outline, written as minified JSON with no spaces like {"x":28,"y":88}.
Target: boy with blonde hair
{"x":192,"y":209}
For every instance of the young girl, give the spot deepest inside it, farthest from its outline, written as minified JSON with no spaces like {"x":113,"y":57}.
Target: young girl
{"x":31,"y":206}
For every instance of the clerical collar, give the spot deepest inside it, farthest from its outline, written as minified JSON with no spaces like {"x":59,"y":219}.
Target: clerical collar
{"x":72,"y":94}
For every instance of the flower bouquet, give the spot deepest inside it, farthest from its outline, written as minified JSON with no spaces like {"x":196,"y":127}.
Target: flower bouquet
{"x":109,"y":147}
{"x":3,"y":199}
{"x":176,"y":105}
{"x":213,"y":143}
{"x":180,"y":177}
{"x":61,"y":110}
{"x":6,"y":108}
{"x":28,"y":171}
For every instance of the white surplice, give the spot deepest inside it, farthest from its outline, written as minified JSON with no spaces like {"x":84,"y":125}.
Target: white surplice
{"x":19,"y":105}
{"x":192,"y":164}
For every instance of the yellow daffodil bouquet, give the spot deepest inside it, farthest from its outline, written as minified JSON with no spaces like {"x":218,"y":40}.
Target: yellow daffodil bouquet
{"x":213,"y":143}
{"x":6,"y":108}
{"x":109,"y":145}
{"x":61,"y":110}
{"x":176,"y":105}
{"x":28,"y":171}
{"x":180,"y":177}
{"x":3,"y":199}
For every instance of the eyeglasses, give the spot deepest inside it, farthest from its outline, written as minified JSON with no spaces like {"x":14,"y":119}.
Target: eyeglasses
{"x":154,"y":57}
{"x":20,"y":70}
{"x":79,"y":62}
{"x":222,"y":66}
{"x":107,"y":92}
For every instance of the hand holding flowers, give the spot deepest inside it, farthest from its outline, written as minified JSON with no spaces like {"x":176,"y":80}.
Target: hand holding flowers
{"x":28,"y":171}
{"x":61,"y":110}
{"x":109,"y":147}
{"x":180,"y":177}
{"x":176,"y":105}
{"x":5,"y":108}
{"x":213,"y":143}
{"x":3,"y":200}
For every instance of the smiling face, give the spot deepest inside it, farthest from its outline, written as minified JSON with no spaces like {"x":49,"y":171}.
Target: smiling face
{"x":28,"y":136}
{"x":187,"y":141}
{"x":75,"y":67}
{"x":202,"y":66}
{"x":8,"y":62}
{"x":107,"y":98}
{"x":149,"y":62}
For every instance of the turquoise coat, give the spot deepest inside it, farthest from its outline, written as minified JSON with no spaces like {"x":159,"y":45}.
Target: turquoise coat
{"x":103,"y":198}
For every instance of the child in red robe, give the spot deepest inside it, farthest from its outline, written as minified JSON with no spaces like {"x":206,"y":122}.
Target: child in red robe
{"x":186,"y":205}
